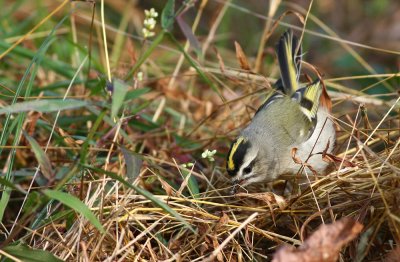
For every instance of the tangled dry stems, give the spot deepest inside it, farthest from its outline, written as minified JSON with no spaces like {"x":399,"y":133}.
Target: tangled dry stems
{"x":139,"y":231}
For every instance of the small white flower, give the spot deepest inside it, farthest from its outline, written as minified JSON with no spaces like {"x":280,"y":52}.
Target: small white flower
{"x":204,"y":154}
{"x":150,"y":23}
{"x":153,"y":13}
{"x":209,"y":155}
{"x":139,"y":76}
{"x":147,"y":33}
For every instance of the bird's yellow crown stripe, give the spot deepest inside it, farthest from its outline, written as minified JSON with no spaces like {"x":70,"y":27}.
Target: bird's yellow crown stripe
{"x":235,"y":146}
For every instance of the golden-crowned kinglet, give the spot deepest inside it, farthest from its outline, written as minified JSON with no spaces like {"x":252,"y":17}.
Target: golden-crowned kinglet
{"x":292,"y":117}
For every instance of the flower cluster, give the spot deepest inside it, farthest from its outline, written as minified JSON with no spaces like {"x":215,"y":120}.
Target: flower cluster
{"x":149,"y":23}
{"x":209,"y":155}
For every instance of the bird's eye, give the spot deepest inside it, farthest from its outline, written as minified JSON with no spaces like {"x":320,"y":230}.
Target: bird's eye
{"x":247,"y":170}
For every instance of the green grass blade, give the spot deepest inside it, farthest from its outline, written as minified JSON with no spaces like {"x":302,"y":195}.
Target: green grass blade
{"x":132,"y":162}
{"x":42,"y":158}
{"x":7,"y":183}
{"x":118,"y":96}
{"x":77,"y":205}
{"x":28,"y":254}
{"x":192,"y":183}
{"x":136,"y":93}
{"x":44,"y":105}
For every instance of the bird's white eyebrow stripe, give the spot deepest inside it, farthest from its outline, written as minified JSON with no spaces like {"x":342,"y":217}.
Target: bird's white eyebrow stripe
{"x":248,"y":162}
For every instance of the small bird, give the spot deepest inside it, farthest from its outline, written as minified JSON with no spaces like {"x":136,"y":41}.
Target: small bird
{"x":291,"y":118}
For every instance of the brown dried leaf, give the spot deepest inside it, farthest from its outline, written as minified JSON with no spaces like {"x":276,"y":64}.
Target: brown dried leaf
{"x":241,"y":57}
{"x":203,"y":229}
{"x":168,"y":189}
{"x":203,"y":248}
{"x":220,"y":61}
{"x":298,"y":15}
{"x":267,"y":197}
{"x":298,"y":161}
{"x":324,"y":244}
{"x":67,"y":138}
{"x":248,"y":238}
{"x":325,"y":99}
{"x":223,"y":220}
{"x":294,"y":157}
{"x":315,"y":173}
{"x":326,"y":147}
{"x":174,"y":244}
{"x":337,"y":160}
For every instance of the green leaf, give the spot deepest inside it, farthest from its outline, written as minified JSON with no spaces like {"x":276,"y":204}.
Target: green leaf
{"x":77,"y":205}
{"x":44,"y":105}
{"x":192,"y":183}
{"x":136,"y":93}
{"x":8,"y":183}
{"x":133,"y":164}
{"x":118,"y":96}
{"x":43,"y":160}
{"x":29,"y":254}
{"x":168,"y":15}
{"x":144,"y":193}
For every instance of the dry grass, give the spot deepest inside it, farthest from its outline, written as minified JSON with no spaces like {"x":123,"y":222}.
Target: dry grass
{"x":136,"y":230}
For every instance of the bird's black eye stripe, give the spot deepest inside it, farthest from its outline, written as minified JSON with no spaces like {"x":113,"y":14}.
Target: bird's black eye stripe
{"x":247,"y":170}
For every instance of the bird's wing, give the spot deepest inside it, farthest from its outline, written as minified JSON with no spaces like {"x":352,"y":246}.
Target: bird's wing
{"x":274,"y":96}
{"x":289,"y":57}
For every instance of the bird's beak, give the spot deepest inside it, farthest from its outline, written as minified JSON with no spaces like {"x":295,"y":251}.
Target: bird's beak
{"x":235,"y":185}
{"x":234,"y":189}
